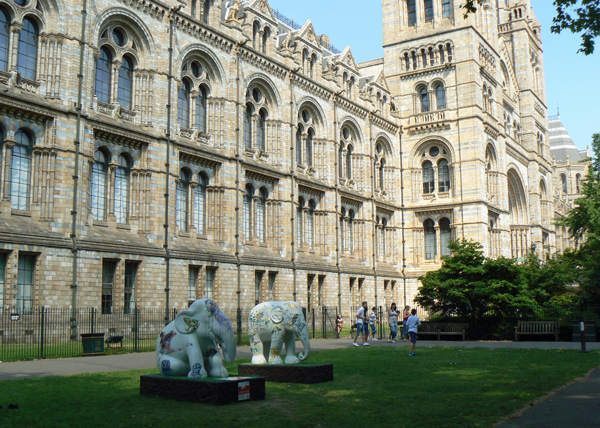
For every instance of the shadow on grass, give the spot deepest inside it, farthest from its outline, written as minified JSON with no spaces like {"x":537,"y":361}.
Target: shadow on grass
{"x":450,"y":387}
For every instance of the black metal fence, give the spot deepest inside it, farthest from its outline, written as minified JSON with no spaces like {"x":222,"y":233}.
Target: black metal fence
{"x":48,"y":333}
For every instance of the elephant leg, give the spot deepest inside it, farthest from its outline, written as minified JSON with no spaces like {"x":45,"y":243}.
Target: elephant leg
{"x":215,"y":367}
{"x":170,"y":366}
{"x":275,"y":349}
{"x":196,"y":360}
{"x":256,"y":346}
{"x":290,"y":349}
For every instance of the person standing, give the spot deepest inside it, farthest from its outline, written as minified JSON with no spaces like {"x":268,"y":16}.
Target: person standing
{"x":339,"y":325}
{"x":373,"y":323}
{"x":362,"y":325}
{"x":405,"y":315}
{"x":413,"y":324}
{"x":393,"y":320}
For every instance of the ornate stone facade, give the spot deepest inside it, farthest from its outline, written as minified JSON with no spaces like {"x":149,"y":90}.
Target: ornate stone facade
{"x":221,"y":151}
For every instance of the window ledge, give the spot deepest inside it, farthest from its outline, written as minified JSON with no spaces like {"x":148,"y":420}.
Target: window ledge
{"x":123,"y":226}
{"x":100,"y":223}
{"x":183,"y":234}
{"x":21,"y":213}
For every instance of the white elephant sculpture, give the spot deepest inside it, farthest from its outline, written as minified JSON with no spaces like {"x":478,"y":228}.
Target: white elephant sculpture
{"x":270,"y":325}
{"x":188,"y":345}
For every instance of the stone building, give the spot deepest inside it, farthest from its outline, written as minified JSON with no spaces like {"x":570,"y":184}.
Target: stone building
{"x":161,"y":151}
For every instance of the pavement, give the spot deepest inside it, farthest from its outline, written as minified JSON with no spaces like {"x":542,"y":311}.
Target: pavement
{"x":576,"y":405}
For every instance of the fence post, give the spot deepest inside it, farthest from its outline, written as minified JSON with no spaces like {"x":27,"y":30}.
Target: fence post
{"x":135,"y":329}
{"x":42,"y":312}
{"x":239,"y":326}
{"x":313,"y":321}
{"x":324,"y":322}
{"x":93,"y":312}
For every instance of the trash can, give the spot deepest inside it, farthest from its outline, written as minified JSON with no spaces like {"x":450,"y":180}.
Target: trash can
{"x":93,"y":344}
{"x":590,"y":331}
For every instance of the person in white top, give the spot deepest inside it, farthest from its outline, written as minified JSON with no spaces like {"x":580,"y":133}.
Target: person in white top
{"x":372,"y":323}
{"x":393,"y":320}
{"x":413,"y":324}
{"x":362,"y":326}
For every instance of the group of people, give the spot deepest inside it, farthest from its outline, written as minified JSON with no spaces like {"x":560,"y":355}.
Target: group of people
{"x":366,"y":325}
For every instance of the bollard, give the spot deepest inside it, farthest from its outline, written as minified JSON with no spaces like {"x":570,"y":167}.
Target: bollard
{"x":582,"y":334}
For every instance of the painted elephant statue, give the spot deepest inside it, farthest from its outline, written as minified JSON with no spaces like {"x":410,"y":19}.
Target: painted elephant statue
{"x":273,"y":323}
{"x":188,"y":345}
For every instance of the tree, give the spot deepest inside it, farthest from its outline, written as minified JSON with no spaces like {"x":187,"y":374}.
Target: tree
{"x":583,"y":222}
{"x":471,"y":285}
{"x":578,"y":16}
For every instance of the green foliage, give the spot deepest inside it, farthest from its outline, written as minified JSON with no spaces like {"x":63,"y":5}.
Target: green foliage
{"x":499,"y":381}
{"x":578,"y":16}
{"x":471,"y":285}
{"x":549,"y":279}
{"x":583,"y":222}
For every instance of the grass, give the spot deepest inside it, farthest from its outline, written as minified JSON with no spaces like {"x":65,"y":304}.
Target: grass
{"x":378,"y":386}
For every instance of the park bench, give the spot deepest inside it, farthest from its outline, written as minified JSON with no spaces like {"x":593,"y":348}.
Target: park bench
{"x":114,"y":340}
{"x":530,"y":328}
{"x":439,"y":329}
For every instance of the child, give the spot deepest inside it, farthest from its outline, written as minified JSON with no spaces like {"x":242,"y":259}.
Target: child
{"x":413,"y":323}
{"x":372,"y":321}
{"x":339,"y":325}
{"x":405,"y":315}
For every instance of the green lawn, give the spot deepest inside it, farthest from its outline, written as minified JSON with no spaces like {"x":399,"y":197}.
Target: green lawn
{"x":377,"y":386}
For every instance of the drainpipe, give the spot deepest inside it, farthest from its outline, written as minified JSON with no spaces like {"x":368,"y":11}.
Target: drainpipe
{"x":172,"y":13}
{"x":402,"y":210}
{"x":337,"y":197}
{"x":237,"y":183}
{"x":293,"y":184}
{"x":77,"y":143}
{"x":373,"y":207}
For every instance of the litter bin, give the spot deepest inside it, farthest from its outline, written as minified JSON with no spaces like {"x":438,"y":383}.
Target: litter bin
{"x":590,"y":331}
{"x":93,"y":344}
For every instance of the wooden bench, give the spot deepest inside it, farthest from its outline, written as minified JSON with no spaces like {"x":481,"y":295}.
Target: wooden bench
{"x":439,"y":329}
{"x":530,"y":328}
{"x":114,"y":340}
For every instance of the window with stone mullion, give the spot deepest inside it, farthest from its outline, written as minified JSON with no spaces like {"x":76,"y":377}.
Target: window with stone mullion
{"x":4,"y":39}
{"x":25,"y":283}
{"x":27,"y":49}
{"x":20,"y":171}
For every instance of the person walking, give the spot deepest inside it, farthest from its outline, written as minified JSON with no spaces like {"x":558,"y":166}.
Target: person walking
{"x":413,"y":324}
{"x":373,"y":321}
{"x":405,"y":315}
{"x":362,"y":325}
{"x":393,"y":320}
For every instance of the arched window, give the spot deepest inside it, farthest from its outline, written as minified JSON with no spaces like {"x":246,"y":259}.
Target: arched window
{"x":349,"y":163}
{"x":182,"y":200}
{"x":343,"y":230}
{"x":201,"y":109}
{"x":299,"y":144}
{"x":27,"y":57}
{"x":407,"y":62}
{"x":445,"y":236}
{"x":341,"y":159}
{"x":449,"y":48}
{"x":563,"y":179}
{"x":443,"y":176}
{"x":412,"y":13}
{"x":310,"y":224}
{"x":424,"y":57}
{"x":255,"y":35}
{"x":430,"y":240}
{"x":122,"y":176}
{"x":248,"y":199}
{"x":103,"y":76}
{"x":248,"y":126}
{"x":20,"y":171}
{"x":381,"y":174}
{"x":266,"y":35}
{"x":260,"y":130}
{"x":126,"y":83}
{"x":309,"y":145}
{"x":578,"y":183}
{"x":98,"y":187}
{"x":440,"y":96}
{"x":428,"y":177}
{"x":414,"y":60}
{"x":424,"y":99}
{"x":200,"y":204}
{"x":428,"y":10}
{"x":183,"y":105}
{"x":442,"y":55}
{"x":4,"y":39}
{"x":261,"y":215}
{"x":313,"y":62}
{"x":300,"y":222}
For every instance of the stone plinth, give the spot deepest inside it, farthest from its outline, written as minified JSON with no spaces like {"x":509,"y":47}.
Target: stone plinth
{"x":208,"y":390}
{"x":299,"y":373}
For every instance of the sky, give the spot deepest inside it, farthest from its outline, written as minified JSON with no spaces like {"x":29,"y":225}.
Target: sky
{"x":571,"y":78}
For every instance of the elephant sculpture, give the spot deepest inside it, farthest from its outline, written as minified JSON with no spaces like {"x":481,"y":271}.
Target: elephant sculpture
{"x":270,"y":325}
{"x":188,"y":345}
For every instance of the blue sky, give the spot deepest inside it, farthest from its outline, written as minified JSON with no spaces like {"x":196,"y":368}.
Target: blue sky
{"x":571,"y":78}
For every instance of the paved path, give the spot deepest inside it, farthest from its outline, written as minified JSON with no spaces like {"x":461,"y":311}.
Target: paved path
{"x":576,"y":405}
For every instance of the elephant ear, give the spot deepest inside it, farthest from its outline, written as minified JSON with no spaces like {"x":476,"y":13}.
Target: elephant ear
{"x":277,"y":315}
{"x":186,"y":323}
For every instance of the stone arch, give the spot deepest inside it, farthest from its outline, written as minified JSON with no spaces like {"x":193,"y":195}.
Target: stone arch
{"x":355,"y":128}
{"x":128,"y":20}
{"x":314,"y":107}
{"x":263,"y":80}
{"x":426,"y":143}
{"x":517,"y":200}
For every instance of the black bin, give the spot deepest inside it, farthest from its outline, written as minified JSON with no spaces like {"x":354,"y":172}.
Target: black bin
{"x":590,"y":331}
{"x":93,"y":344}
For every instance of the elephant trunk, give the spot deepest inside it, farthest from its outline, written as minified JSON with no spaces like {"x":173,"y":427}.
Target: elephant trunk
{"x":306,"y":343}
{"x":226,"y":338}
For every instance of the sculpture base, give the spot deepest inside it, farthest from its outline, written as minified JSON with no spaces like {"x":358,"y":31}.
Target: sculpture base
{"x":208,"y":390}
{"x":299,"y":373}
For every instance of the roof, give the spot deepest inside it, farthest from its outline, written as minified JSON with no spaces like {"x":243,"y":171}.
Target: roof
{"x":561,"y":143}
